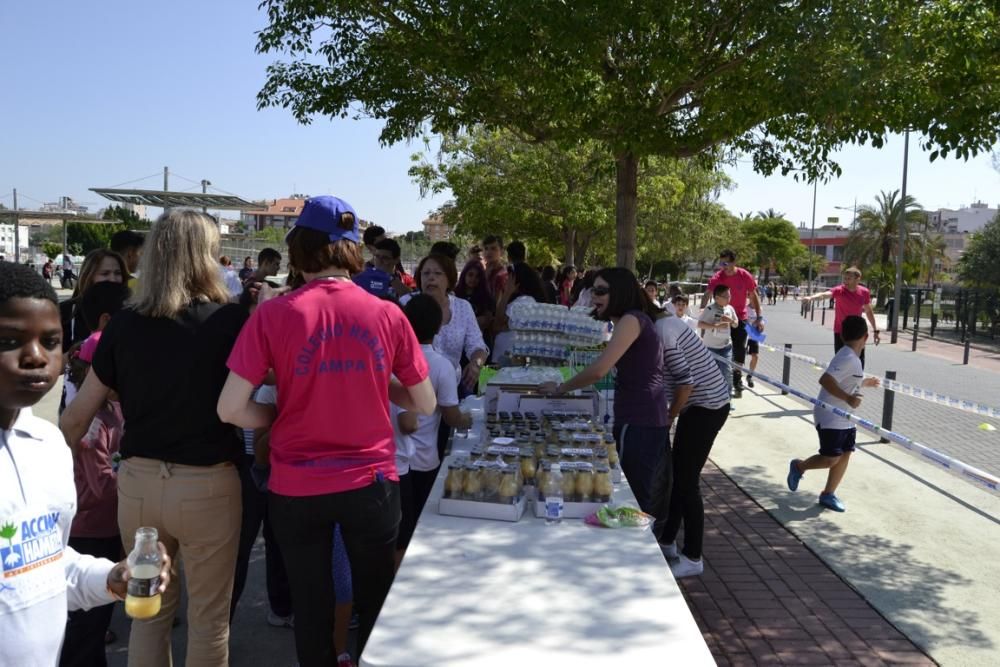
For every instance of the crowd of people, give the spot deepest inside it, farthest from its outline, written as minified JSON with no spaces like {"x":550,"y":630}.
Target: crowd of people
{"x":211,"y":403}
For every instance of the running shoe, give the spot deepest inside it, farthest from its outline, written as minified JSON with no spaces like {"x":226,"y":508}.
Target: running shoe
{"x":750,"y":381}
{"x":794,"y":475}
{"x":669,"y":550}
{"x":685,"y":567}
{"x":831,"y":501}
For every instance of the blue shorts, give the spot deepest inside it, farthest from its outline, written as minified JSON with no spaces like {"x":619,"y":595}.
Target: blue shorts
{"x":836,"y":441}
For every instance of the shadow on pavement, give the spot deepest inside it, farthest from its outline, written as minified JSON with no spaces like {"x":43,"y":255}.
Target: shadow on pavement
{"x":885,"y":572}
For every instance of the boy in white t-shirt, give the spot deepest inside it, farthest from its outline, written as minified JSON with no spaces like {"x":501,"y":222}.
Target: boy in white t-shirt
{"x":840,"y":384}
{"x":682,"y":310}
{"x":416,"y":435}
{"x":715,"y":322}
{"x":41,"y":576}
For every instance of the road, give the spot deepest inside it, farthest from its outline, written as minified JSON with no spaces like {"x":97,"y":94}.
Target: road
{"x":950,"y":431}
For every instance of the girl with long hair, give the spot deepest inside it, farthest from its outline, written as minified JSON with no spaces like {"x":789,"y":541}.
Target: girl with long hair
{"x":101,"y":265}
{"x":473,"y":288}
{"x":641,"y":426}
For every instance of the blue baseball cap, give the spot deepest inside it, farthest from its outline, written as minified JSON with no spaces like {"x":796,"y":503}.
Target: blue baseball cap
{"x":330,"y":215}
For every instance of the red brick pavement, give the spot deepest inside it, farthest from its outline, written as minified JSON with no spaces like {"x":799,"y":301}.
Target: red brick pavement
{"x":765,"y":598}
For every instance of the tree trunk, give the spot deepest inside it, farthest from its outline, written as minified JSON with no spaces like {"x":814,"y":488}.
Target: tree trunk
{"x":626,"y":195}
{"x":569,"y":241}
{"x":582,"y":246}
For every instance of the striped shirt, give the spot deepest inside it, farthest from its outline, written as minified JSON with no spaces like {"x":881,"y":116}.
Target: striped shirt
{"x":267,"y":395}
{"x":685,"y":348}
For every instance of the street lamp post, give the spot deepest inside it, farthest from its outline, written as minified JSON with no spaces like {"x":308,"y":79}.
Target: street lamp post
{"x":898,"y":290}
{"x":204,"y":189}
{"x":854,"y":212}
{"x":812,"y":242}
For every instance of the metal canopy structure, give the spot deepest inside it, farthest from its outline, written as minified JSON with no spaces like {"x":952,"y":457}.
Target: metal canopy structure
{"x":27,"y":217}
{"x":165,"y":199}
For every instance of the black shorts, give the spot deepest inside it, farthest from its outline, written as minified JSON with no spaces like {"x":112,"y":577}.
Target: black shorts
{"x":836,"y":441}
{"x":752,"y":346}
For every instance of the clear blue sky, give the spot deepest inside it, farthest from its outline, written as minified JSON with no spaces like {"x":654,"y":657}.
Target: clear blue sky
{"x":96,"y":95}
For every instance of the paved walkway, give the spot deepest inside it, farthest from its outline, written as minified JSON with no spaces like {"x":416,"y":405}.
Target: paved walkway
{"x":936,"y":365}
{"x":765,"y":598}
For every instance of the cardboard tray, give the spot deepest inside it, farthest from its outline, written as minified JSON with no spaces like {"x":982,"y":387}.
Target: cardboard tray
{"x":476,"y":510}
{"x":570,"y":510}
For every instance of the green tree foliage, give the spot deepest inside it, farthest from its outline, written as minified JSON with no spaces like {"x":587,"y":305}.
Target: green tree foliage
{"x":533,"y":191}
{"x":273,"y":235}
{"x":562,"y":200}
{"x":679,"y":217}
{"x":876,"y":237}
{"x":873,"y":244}
{"x":91,"y":235}
{"x":775,"y":242}
{"x":796,"y":270}
{"x":978,"y":266}
{"x":51,"y":249}
{"x":785,"y":82}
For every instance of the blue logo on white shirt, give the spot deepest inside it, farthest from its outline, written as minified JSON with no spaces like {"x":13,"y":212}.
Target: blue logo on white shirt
{"x":36,"y":542}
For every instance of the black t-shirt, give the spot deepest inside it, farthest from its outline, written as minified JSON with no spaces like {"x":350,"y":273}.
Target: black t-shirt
{"x":169,"y":374}
{"x":73,"y":326}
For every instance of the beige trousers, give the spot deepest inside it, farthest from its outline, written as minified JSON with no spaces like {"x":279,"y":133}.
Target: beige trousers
{"x":197,"y":512}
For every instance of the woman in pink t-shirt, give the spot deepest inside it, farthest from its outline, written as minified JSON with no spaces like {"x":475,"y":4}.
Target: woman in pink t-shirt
{"x":850,"y":298}
{"x":339,"y":355}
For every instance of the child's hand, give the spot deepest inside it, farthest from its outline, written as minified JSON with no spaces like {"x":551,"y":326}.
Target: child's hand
{"x":267,"y":293}
{"x":871,"y":382}
{"x":854,"y":401}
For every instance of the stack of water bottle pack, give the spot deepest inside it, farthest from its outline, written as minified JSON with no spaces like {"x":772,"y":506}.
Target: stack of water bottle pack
{"x":549,"y":331}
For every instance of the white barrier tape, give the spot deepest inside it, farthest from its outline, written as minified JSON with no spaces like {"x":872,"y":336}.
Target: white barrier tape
{"x":909,"y":390}
{"x":969,"y":473}
{"x":942,"y":399}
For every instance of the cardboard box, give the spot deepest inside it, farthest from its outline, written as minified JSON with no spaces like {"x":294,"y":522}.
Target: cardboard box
{"x":477,"y":510}
{"x":570,"y":510}
{"x":585,"y":402}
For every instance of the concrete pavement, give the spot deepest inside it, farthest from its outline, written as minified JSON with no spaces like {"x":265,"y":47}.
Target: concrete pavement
{"x":922,"y":546}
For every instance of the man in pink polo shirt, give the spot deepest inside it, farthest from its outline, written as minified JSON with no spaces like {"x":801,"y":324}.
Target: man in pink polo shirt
{"x":850,"y":298}
{"x":742,"y":289}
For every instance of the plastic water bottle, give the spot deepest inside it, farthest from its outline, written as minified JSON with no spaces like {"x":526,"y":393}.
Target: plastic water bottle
{"x":553,"y":495}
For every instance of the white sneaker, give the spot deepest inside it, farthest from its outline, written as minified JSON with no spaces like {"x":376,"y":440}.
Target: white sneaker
{"x":669,"y":550}
{"x":280,"y":621}
{"x":685,"y":567}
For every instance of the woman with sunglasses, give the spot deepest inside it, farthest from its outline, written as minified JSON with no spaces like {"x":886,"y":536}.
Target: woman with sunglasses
{"x":642,"y":427}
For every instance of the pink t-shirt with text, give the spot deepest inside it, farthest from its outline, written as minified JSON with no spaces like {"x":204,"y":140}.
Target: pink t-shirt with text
{"x":333,"y":348}
{"x":848,"y":303}
{"x":740,"y":285}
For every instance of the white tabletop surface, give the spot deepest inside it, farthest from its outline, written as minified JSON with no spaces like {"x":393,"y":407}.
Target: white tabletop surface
{"x":480,"y":592}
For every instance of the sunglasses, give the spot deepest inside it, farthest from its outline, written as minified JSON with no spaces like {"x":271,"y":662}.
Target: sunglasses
{"x":724,"y":264}
{"x":600,"y":291}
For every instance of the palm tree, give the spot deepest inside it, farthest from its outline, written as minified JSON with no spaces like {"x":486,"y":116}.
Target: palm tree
{"x":873,"y":243}
{"x":935,"y":253}
{"x":770,"y":214}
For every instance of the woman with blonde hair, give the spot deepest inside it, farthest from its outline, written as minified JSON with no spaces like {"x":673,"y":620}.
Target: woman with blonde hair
{"x":165,"y":356}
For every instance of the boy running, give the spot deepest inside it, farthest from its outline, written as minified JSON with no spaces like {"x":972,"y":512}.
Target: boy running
{"x":840,"y":384}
